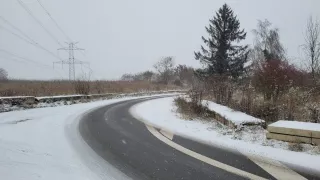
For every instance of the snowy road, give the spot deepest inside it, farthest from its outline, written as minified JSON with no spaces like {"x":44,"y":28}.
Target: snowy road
{"x":46,"y":143}
{"x":143,"y":152}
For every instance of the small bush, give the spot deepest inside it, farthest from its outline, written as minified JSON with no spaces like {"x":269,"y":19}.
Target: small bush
{"x":295,"y":147}
{"x":193,"y":109}
{"x":267,"y":111}
{"x":7,"y":92}
{"x":82,"y":87}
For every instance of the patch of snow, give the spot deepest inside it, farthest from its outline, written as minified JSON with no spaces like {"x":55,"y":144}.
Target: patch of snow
{"x":41,"y":144}
{"x":61,"y":96}
{"x":15,"y":97}
{"x":297,"y":125}
{"x":251,"y":140}
{"x":237,"y":117}
{"x":247,"y":64}
{"x":7,"y":107}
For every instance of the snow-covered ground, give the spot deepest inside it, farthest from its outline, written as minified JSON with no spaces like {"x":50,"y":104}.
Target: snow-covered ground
{"x":250,"y":141}
{"x":45,"y":144}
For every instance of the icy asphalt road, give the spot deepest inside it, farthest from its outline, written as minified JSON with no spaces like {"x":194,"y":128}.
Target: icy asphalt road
{"x":137,"y":151}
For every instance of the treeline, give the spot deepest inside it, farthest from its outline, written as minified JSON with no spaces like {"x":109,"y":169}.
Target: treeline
{"x":165,"y":72}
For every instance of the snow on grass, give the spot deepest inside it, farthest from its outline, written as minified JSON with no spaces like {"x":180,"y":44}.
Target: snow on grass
{"x":297,"y":125}
{"x":251,"y":140}
{"x":41,"y":144}
{"x":236,"y":117}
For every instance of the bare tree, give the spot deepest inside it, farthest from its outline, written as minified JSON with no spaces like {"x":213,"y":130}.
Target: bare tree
{"x":165,"y":69}
{"x":267,"y":42}
{"x":312,"y":46}
{"x":3,"y":74}
{"x":184,"y":74}
{"x":127,"y":77}
{"x":147,"y":75}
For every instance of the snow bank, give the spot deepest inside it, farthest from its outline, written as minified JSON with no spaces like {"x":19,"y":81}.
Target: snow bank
{"x":40,"y":144}
{"x":251,"y":141}
{"x":236,"y":117}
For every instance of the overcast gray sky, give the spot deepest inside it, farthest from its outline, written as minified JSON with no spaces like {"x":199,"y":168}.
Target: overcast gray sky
{"x":128,"y":36}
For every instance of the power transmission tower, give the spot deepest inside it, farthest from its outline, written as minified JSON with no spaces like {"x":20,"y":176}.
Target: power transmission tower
{"x":71,"y":61}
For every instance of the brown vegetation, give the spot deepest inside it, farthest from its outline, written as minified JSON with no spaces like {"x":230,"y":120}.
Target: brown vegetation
{"x":63,"y":87}
{"x":193,"y":109}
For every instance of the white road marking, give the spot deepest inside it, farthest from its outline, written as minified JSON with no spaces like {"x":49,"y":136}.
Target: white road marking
{"x":167,"y":134}
{"x":203,"y":158}
{"x":276,"y":169}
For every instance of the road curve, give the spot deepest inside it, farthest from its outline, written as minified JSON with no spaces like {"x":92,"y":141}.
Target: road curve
{"x":126,"y":143}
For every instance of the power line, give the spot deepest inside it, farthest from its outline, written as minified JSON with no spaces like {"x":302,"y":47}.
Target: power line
{"x":54,"y":21}
{"x":16,"y":28}
{"x":15,"y":34}
{"x":39,"y":22}
{"x":16,"y":60}
{"x":29,"y":40}
{"x":27,"y":60}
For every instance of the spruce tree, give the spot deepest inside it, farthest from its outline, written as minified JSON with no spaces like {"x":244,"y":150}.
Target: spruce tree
{"x":223,"y":54}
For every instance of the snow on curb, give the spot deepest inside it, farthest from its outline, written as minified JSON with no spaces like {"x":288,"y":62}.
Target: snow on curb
{"x":308,"y":126}
{"x":160,"y":113}
{"x":236,"y":117}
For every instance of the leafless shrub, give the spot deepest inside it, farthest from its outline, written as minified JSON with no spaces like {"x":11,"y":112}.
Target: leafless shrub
{"x":243,"y":98}
{"x":313,"y":109}
{"x":7,"y":92}
{"x":98,"y":86}
{"x":82,"y":85}
{"x":193,"y":109}
{"x":219,"y":88}
{"x":196,"y":96}
{"x":295,"y":147}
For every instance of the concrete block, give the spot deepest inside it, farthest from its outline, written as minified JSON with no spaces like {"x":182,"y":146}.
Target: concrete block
{"x":316,"y":141}
{"x":316,"y":134}
{"x":290,"y":131}
{"x":289,"y":138}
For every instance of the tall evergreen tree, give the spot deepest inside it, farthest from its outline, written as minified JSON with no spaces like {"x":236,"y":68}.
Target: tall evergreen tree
{"x":223,"y":55}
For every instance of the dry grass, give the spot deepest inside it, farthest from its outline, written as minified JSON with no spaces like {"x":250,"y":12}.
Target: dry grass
{"x":193,"y":109}
{"x":295,"y":147}
{"x":296,"y":104}
{"x":62,"y":87}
